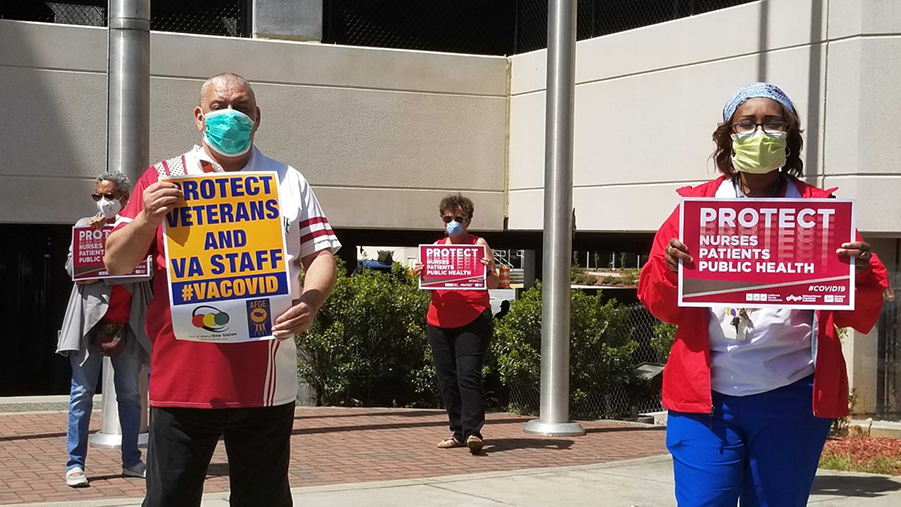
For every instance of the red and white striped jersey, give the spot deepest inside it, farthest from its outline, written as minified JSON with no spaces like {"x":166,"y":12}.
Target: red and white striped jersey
{"x":216,"y":375}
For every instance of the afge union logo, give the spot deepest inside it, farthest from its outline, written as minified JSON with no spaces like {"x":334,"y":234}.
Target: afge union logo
{"x":259,"y":320}
{"x":210,"y":318}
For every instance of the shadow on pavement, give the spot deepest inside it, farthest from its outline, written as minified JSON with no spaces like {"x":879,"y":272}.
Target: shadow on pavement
{"x":385,"y":426}
{"x":217,"y":470}
{"x":34,"y":436}
{"x":854,"y":486}
{"x":311,"y":414}
{"x":495,"y":445}
{"x":612,"y":429}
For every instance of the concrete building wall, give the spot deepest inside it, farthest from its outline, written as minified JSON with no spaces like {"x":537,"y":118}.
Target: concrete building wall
{"x":381,"y":134}
{"x":648,"y":100}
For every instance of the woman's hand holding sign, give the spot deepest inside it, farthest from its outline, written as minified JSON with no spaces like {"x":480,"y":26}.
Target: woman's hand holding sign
{"x":860,"y":251}
{"x":674,"y":252}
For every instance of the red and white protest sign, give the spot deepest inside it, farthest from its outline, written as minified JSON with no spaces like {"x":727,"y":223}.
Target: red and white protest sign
{"x":767,"y":253}
{"x":453,"y":267}
{"x":88,"y":247}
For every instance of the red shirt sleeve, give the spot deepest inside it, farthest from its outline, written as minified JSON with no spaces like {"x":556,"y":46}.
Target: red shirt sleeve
{"x":136,"y":205}
{"x":136,"y":201}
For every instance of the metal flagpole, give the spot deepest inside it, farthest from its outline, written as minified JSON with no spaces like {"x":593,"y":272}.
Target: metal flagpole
{"x":128,"y":151}
{"x":558,"y":205}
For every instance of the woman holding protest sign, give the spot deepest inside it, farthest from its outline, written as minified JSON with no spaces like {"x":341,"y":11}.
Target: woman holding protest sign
{"x":751,"y":392}
{"x":104,"y":317}
{"x":459,"y":330}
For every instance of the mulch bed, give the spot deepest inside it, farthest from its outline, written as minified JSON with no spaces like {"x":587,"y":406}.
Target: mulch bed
{"x":863,"y":452}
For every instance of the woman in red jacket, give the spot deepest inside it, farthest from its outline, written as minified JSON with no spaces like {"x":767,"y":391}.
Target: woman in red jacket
{"x":751,"y":392}
{"x":459,"y":329}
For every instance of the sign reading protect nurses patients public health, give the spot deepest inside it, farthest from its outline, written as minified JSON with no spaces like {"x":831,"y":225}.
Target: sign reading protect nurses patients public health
{"x":88,"y":247}
{"x":453,"y":267}
{"x":225,"y":250}
{"x":767,"y":253}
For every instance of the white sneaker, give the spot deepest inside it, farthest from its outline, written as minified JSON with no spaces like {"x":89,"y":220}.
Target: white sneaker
{"x":137,"y":470}
{"x":76,"y":478}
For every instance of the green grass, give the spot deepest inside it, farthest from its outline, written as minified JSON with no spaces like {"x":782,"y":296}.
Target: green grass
{"x":879,"y":465}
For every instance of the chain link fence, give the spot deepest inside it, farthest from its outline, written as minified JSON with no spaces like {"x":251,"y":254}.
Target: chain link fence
{"x":603,"y":17}
{"x":623,"y":398}
{"x":491,"y":27}
{"x":462,"y":26}
{"x":888,"y":375}
{"x":229,"y":18}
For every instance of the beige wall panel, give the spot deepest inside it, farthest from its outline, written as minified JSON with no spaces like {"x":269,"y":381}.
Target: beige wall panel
{"x":52,"y":140}
{"x":848,"y":18}
{"x":346,"y":117}
{"x":527,"y":131}
{"x":404,"y":208}
{"x":863,"y":107}
{"x":621,"y":208}
{"x":354,"y":137}
{"x":654,"y":128}
{"x":878,"y":201}
{"x":742,"y":30}
{"x":50,"y":46}
{"x":201,"y":56}
{"x":45,"y":200}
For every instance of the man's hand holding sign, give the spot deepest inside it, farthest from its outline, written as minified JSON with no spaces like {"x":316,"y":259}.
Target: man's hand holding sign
{"x":229,"y":230}
{"x":225,"y":247}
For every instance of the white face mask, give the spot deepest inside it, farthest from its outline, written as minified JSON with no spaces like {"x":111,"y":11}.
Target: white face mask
{"x":109,"y":209}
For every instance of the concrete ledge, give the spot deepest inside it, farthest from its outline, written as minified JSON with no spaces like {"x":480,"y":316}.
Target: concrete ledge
{"x":869,"y":427}
{"x":32,"y":404}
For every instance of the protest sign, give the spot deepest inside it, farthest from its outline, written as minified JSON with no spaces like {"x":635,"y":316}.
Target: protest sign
{"x":453,"y":267}
{"x":225,"y":253}
{"x":88,"y":247}
{"x":767,"y":253}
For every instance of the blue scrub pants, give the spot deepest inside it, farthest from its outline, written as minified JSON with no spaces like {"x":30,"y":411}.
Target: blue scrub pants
{"x":763,"y":449}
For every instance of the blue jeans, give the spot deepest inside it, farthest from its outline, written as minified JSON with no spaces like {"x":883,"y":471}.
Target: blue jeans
{"x":763,"y":449}
{"x":126,"y":367}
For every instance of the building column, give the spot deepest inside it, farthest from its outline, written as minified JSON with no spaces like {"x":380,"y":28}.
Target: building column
{"x":299,"y":20}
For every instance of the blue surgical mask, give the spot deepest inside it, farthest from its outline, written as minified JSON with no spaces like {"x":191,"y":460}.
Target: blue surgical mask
{"x":227,"y":132}
{"x":454,"y":228}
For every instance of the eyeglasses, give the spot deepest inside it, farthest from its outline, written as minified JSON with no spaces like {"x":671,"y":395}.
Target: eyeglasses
{"x":448,"y":219}
{"x":109,"y":197}
{"x":773,"y":127}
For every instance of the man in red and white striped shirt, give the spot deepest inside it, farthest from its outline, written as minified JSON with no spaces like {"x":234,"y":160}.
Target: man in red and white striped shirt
{"x":200,"y":391}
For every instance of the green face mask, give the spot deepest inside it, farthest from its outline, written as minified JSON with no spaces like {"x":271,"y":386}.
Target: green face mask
{"x":758,"y":153}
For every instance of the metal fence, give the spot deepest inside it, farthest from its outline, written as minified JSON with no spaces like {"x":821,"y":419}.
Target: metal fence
{"x":603,"y":17}
{"x":888,"y":375}
{"x":491,"y":27}
{"x":619,"y":399}
{"x":208,"y":17}
{"x":461,"y":26}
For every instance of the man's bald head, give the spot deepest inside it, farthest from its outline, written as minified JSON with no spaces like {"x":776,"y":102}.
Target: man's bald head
{"x":227,"y":80}
{"x":227,"y":91}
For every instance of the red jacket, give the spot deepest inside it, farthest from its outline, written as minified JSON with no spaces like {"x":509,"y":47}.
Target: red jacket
{"x":686,"y":378}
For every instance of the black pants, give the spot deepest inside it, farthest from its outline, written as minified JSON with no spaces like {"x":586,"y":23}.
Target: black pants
{"x":459,"y":353}
{"x":182,"y":441}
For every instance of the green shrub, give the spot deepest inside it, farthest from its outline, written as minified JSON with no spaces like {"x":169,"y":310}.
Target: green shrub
{"x":662,"y":340}
{"x":579,"y":277}
{"x":368,"y":345}
{"x":600,"y":354}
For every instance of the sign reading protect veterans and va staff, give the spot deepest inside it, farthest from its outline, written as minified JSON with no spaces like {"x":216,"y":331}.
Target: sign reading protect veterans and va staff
{"x":767,"y":253}
{"x":225,"y":253}
{"x":88,"y":247}
{"x":453,"y":267}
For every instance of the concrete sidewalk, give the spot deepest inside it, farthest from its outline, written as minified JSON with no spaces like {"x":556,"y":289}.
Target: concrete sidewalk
{"x":642,"y":482}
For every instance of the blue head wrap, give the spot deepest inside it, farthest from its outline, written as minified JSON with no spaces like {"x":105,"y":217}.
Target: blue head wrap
{"x":754,"y":91}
